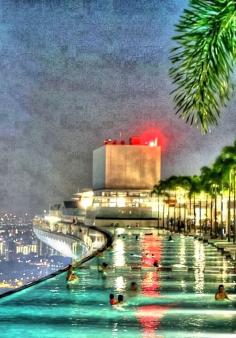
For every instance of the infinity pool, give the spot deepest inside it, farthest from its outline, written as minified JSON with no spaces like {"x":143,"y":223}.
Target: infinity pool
{"x":175,"y":301}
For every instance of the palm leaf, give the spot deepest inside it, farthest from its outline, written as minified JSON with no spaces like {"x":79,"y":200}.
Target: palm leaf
{"x":203,"y":60}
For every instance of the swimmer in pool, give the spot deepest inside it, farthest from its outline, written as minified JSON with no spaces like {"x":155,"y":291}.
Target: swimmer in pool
{"x":71,"y":276}
{"x":120,"y":300}
{"x":103,"y":269}
{"x":221,"y":294}
{"x":156,"y":264}
{"x":170,"y":239}
{"x":113,"y":301}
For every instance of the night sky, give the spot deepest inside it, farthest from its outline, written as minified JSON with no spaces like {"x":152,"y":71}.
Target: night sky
{"x":76,"y":72}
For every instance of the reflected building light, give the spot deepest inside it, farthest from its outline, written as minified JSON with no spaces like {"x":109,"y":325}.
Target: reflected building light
{"x":150,"y":317}
{"x":114,"y":330}
{"x":225,"y":267}
{"x":183,"y":286}
{"x":120,"y":283}
{"x":199,"y":281}
{"x":182,"y":251}
{"x":150,"y":284}
{"x":119,"y":253}
{"x":199,"y":263}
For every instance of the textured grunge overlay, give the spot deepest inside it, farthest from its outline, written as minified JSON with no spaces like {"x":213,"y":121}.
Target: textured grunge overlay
{"x":76,"y":72}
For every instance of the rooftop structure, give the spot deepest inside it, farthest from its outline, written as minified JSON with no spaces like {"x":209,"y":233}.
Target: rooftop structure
{"x":136,"y":165}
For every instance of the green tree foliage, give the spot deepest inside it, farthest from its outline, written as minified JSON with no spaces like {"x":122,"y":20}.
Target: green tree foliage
{"x":203,"y":60}
{"x":211,"y":180}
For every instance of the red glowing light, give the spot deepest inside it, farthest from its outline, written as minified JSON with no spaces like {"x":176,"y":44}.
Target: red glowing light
{"x":148,"y":133}
{"x":152,"y":249}
{"x":139,"y":140}
{"x":150,"y":317}
{"x":150,"y":138}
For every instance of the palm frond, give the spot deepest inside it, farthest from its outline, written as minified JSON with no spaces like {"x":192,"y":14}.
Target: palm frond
{"x":203,"y":60}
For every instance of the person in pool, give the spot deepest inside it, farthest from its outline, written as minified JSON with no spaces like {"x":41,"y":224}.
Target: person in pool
{"x":156,"y":264}
{"x":120,"y":300}
{"x":133,"y":286}
{"x":170,"y":239}
{"x":103,"y":269}
{"x":113,"y":301}
{"x":133,"y":289}
{"x":221,"y":294}
{"x":71,"y":276}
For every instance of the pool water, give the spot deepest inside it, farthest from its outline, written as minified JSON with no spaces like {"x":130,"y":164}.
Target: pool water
{"x":174,"y":301}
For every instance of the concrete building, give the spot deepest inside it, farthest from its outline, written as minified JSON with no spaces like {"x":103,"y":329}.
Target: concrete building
{"x":131,"y":166}
{"x":123,"y":178}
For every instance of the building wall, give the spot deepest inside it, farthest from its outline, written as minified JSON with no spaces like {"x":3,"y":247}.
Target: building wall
{"x":99,"y":168}
{"x":126,"y":167}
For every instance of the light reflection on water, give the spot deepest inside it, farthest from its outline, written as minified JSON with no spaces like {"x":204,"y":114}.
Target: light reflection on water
{"x":199,"y":264}
{"x":176,"y":303}
{"x":119,"y":253}
{"x":182,"y":251}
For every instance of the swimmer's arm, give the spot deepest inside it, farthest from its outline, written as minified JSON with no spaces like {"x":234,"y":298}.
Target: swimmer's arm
{"x":227,"y":297}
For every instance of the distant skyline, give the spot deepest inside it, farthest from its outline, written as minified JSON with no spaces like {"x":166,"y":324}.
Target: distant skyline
{"x":76,"y":72}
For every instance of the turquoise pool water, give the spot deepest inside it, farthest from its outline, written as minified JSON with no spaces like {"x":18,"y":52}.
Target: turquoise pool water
{"x":178,"y":303}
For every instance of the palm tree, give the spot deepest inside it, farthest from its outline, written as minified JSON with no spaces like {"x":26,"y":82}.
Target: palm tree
{"x":205,"y":176}
{"x":228,"y":156}
{"x":221,"y":169}
{"x":185,"y":182}
{"x":213,"y":181}
{"x":217,"y":179}
{"x":195,"y":189}
{"x":203,"y":60}
{"x":171,"y":184}
{"x":160,"y":190}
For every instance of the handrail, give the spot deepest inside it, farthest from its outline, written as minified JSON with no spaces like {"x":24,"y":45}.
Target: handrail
{"x":108,"y":241}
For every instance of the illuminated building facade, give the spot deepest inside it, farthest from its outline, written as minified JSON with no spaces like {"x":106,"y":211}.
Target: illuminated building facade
{"x":2,"y":248}
{"x":123,"y":178}
{"x":127,"y":166}
{"x":26,"y":249}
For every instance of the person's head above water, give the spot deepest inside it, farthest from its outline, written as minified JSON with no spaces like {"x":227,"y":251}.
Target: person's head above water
{"x":155,"y":263}
{"x":221,"y":288}
{"x":133,"y":286}
{"x":112,"y":296}
{"x":220,"y":293}
{"x":120,"y":298}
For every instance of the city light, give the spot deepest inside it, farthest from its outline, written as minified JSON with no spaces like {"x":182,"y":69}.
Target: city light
{"x":18,"y":244}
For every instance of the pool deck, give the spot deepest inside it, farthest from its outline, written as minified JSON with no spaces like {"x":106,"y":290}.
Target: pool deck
{"x":227,"y":248}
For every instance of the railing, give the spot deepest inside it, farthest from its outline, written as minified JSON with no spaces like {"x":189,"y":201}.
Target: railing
{"x":97,"y":240}
{"x":75,"y":234}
